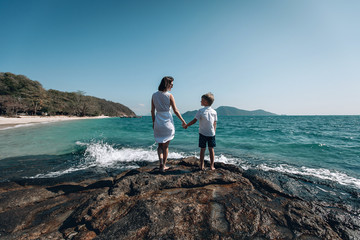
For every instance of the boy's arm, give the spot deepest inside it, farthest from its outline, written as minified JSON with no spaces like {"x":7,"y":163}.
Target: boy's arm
{"x":215,"y":126}
{"x":191,"y":123}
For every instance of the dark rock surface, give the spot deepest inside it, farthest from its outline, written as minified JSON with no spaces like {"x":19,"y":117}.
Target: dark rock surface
{"x":183,"y":203}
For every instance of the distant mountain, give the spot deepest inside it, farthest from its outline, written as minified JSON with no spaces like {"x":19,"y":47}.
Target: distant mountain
{"x":190,"y":113}
{"x":233,"y":111}
{"x":19,"y":94}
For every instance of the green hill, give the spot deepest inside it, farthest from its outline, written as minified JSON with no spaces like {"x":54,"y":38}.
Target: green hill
{"x":19,"y":94}
{"x":232,"y":111}
{"x":190,"y":113}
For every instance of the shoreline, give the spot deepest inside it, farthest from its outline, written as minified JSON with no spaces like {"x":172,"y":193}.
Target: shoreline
{"x":22,"y":121}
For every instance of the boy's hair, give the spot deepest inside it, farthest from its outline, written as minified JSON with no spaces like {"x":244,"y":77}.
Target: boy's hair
{"x":165,"y":83}
{"x":209,"y":97}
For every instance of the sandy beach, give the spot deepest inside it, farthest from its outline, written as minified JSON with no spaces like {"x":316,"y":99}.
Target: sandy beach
{"x":7,"y":122}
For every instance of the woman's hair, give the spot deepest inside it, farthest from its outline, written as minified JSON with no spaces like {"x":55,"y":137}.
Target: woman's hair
{"x":165,"y":83}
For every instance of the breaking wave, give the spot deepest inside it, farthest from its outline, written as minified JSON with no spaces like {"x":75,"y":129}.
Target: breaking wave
{"x":320,"y":173}
{"x":104,"y":155}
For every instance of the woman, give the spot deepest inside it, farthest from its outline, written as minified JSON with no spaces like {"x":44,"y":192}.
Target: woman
{"x":163,"y":122}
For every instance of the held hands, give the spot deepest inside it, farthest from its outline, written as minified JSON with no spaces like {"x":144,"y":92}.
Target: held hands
{"x":185,"y":126}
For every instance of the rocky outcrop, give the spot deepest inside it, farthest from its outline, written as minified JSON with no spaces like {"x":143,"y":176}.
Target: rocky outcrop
{"x":182,"y":203}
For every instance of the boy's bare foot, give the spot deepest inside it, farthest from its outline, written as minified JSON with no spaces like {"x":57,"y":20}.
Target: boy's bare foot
{"x":212,"y":168}
{"x":166,"y":168}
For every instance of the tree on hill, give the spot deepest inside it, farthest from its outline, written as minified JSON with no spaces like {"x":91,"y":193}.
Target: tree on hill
{"x":19,"y":94}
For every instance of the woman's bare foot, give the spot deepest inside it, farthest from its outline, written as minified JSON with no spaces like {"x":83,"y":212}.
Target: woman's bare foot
{"x":163,"y":168}
{"x":212,"y":168}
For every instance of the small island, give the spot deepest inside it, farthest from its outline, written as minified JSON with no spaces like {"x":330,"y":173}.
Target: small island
{"x":233,"y":111}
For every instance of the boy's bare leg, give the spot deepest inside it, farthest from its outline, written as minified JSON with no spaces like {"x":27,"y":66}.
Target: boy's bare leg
{"x":160,"y":154}
{"x":202,"y":156}
{"x":165,"y":150}
{"x":212,"y":158}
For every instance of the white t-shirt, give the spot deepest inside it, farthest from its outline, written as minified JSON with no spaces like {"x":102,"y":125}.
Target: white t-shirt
{"x":206,"y":117}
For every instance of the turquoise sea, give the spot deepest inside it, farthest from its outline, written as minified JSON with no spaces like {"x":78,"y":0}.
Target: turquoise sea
{"x":319,"y":149}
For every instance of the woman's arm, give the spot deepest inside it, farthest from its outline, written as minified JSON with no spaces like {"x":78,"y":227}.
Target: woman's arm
{"x":176,"y":111}
{"x":152,"y":111}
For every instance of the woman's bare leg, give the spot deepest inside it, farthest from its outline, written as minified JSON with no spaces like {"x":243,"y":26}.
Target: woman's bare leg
{"x":165,"y":150}
{"x":161,"y":155}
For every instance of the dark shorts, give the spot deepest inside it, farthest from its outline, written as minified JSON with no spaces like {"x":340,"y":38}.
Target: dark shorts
{"x":204,"y":139}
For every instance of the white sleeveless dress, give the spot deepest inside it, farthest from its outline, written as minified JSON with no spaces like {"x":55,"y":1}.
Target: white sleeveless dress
{"x":164,"y":129}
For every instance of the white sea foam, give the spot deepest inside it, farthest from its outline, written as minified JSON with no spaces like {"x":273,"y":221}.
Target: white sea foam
{"x":100,"y":154}
{"x":232,"y":160}
{"x":70,"y":170}
{"x":26,"y":125}
{"x":320,"y":173}
{"x":104,"y":154}
{"x":18,"y":126}
{"x":59,"y":173}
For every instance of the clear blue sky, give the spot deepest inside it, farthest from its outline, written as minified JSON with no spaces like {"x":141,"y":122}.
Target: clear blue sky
{"x":287,"y":57}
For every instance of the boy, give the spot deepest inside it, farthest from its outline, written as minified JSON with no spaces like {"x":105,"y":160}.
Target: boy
{"x":207,"y":127}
